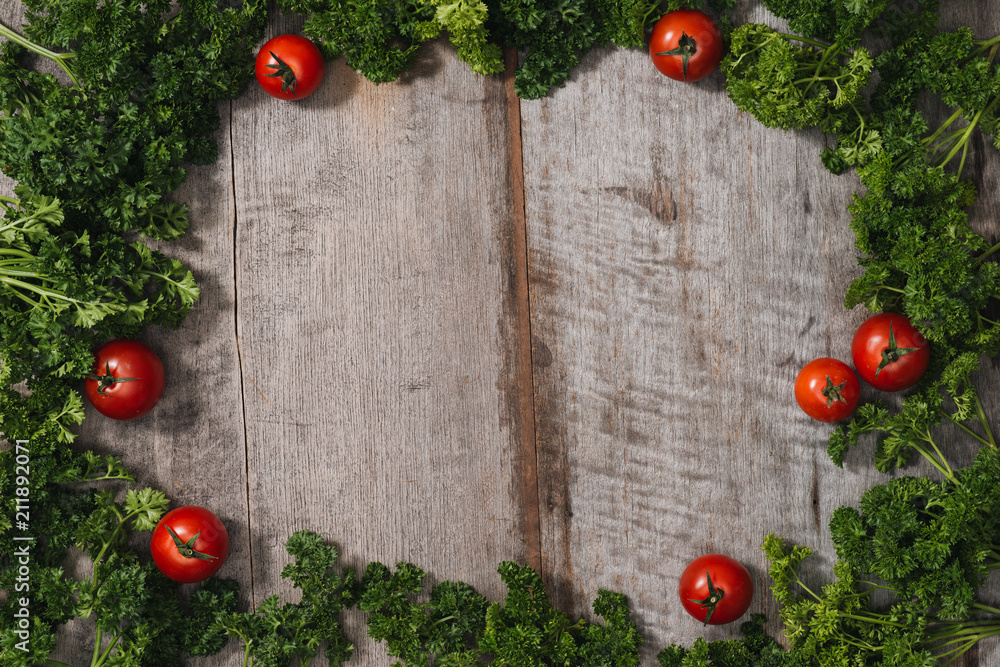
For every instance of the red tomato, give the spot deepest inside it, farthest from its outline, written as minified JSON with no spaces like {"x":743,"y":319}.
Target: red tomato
{"x":289,"y":67}
{"x":889,"y":353}
{"x":685,"y":45}
{"x":189,"y":544}
{"x":127,"y":380}
{"x":827,"y":389}
{"x":715,"y":589}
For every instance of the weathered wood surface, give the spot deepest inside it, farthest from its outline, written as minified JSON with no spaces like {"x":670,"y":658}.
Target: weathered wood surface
{"x":377,"y":323}
{"x":363,"y":333}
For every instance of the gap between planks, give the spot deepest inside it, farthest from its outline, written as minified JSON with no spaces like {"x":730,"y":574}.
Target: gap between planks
{"x":239,"y":356}
{"x":528,"y":450}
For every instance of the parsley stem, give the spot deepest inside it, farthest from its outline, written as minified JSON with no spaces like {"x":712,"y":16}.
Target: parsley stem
{"x":963,"y":141}
{"x":827,"y":55}
{"x":939,"y":463}
{"x":966,"y":429}
{"x":959,"y":652}
{"x":873,"y":618}
{"x":97,"y":640}
{"x":983,"y":607}
{"x":987,"y":320}
{"x":104,"y":548}
{"x":880,"y":586}
{"x":805,"y":40}
{"x":45,"y":293}
{"x":107,"y":652}
{"x":806,"y":588}
{"x":982,"y":420}
{"x":28,"y":300}
{"x":16,"y":253}
{"x":930,"y":139}
{"x":989,"y":252}
{"x":59,"y":58}
{"x":984,"y":45}
{"x":860,"y":644}
{"x":966,"y":639}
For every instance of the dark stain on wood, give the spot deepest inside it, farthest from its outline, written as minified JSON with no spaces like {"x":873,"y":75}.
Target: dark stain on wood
{"x":814,"y":495}
{"x":659,"y":200}
{"x":541,"y":355}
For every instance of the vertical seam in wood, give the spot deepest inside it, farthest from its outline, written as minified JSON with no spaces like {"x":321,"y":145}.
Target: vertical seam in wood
{"x":528,"y":455}
{"x":239,"y":352}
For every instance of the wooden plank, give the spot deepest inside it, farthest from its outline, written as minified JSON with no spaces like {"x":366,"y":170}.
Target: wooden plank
{"x":378,"y":323}
{"x":684,"y":262}
{"x":192,"y":444}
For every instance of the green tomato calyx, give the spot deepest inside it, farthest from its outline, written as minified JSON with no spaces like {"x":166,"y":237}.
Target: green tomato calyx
{"x":186,"y":549}
{"x":832,"y":392}
{"x":715,"y":596}
{"x":288,"y":81}
{"x":686,"y":47}
{"x":106,"y":380}
{"x":893,"y":352}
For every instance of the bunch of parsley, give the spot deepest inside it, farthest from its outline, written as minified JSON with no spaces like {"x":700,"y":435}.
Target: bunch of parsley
{"x":455,"y":627}
{"x":754,"y":649}
{"x":145,"y":79}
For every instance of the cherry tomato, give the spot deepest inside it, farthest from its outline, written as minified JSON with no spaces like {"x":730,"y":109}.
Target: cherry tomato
{"x":715,"y":589}
{"x":289,"y":67}
{"x":827,"y":389}
{"x":686,"y":45}
{"x":127,"y":380}
{"x":189,"y":544}
{"x":889,"y":353}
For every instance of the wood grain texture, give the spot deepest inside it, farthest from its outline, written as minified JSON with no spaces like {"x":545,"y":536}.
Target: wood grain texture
{"x":377,"y":321}
{"x":684,"y":263}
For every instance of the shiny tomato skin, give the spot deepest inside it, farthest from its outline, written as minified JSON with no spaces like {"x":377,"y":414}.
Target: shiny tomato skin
{"x":125,"y":399}
{"x":301,"y":55}
{"x":667,"y":34}
{"x":872,"y":337}
{"x":728,"y":575}
{"x":186,"y":522}
{"x":817,"y":376}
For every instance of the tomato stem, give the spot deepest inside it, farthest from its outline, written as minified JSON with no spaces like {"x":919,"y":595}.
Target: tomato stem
{"x":686,"y":47}
{"x":893,"y":353}
{"x":107,"y":380}
{"x":288,"y":81}
{"x":833,"y":392}
{"x":715,"y":596}
{"x":187,"y":549}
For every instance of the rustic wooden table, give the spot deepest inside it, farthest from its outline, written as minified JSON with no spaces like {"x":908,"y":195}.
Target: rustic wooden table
{"x":442,"y":325}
